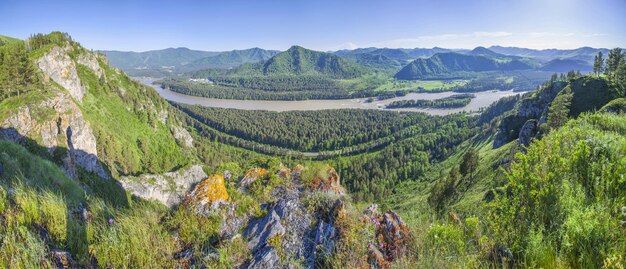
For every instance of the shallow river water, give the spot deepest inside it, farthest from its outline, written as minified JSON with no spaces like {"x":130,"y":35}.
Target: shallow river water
{"x":482,"y":99}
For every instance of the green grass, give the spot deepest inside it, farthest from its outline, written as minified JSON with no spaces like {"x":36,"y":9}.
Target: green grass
{"x":37,"y":197}
{"x":127,"y":125}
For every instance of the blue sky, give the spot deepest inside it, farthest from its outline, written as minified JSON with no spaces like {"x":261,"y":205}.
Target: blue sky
{"x":321,"y":24}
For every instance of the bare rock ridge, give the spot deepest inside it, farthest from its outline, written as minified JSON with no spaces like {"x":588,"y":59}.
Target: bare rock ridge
{"x":90,"y":60}
{"x":58,"y":66}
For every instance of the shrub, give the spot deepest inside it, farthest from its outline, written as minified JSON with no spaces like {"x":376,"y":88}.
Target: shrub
{"x":447,"y":239}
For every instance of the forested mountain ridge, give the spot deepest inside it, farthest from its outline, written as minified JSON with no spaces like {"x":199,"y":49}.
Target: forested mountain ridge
{"x":565,"y":65}
{"x":584,"y":53}
{"x":450,"y":65}
{"x":300,"y":61}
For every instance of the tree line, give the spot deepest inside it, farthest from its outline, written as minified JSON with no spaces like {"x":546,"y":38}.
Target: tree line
{"x":453,"y":101}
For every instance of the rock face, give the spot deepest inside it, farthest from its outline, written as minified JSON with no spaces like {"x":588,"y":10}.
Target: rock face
{"x":328,"y":231}
{"x":528,"y":132}
{"x":284,"y":172}
{"x":168,"y":188}
{"x":532,"y":107}
{"x":330,"y":183}
{"x":260,"y":231}
{"x":62,"y":126}
{"x":58,"y":66}
{"x":265,"y":258}
{"x":393,"y":235}
{"x":90,"y":61}
{"x":207,"y":195}
{"x":287,"y":219}
{"x":182,"y":136}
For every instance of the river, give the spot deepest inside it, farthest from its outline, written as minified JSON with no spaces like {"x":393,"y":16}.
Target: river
{"x":483,"y":99}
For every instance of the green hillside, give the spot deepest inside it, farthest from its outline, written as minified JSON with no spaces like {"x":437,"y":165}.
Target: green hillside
{"x":8,"y":40}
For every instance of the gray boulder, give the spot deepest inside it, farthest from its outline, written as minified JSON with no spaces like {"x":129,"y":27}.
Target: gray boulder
{"x":168,"y":188}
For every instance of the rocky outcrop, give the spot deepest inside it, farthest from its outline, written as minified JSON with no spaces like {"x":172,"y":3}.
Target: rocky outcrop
{"x":528,"y":132}
{"x":182,"y":136}
{"x":328,"y":183}
{"x":287,"y":219}
{"x":328,"y":232}
{"x":375,"y":258}
{"x":91,"y":61}
{"x":251,"y":176}
{"x":297,"y":171}
{"x":207,"y":195}
{"x":393,"y":237}
{"x":260,"y":231}
{"x":533,"y":107}
{"x":284,"y":172}
{"x":57,"y":65}
{"x":168,"y":188}
{"x":60,"y":123}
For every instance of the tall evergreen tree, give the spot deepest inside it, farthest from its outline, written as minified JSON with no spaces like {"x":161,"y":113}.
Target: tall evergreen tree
{"x":620,"y":76}
{"x":598,"y":63}
{"x":469,"y":163}
{"x":614,"y":60}
{"x":559,"y":110}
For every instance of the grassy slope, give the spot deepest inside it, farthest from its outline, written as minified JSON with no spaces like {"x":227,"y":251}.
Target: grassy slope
{"x":124,"y":114}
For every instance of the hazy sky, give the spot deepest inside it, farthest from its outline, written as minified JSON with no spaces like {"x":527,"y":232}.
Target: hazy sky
{"x":321,"y":24}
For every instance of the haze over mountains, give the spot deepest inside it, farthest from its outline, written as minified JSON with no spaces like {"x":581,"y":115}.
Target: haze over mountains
{"x":414,"y":63}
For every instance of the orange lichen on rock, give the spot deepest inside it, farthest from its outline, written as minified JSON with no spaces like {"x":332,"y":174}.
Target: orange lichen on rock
{"x":328,"y":183}
{"x":210,"y":192}
{"x":251,"y":176}
{"x":283,"y":171}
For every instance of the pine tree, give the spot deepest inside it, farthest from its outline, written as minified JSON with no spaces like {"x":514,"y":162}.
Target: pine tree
{"x":614,"y":60}
{"x":620,"y":76}
{"x":470,"y":163}
{"x":558,"y":112}
{"x":598,"y":64}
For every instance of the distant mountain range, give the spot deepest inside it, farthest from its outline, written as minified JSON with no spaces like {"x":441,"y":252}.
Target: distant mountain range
{"x":155,"y":59}
{"x":403,"y":63}
{"x":584,"y":53}
{"x":178,"y":60}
